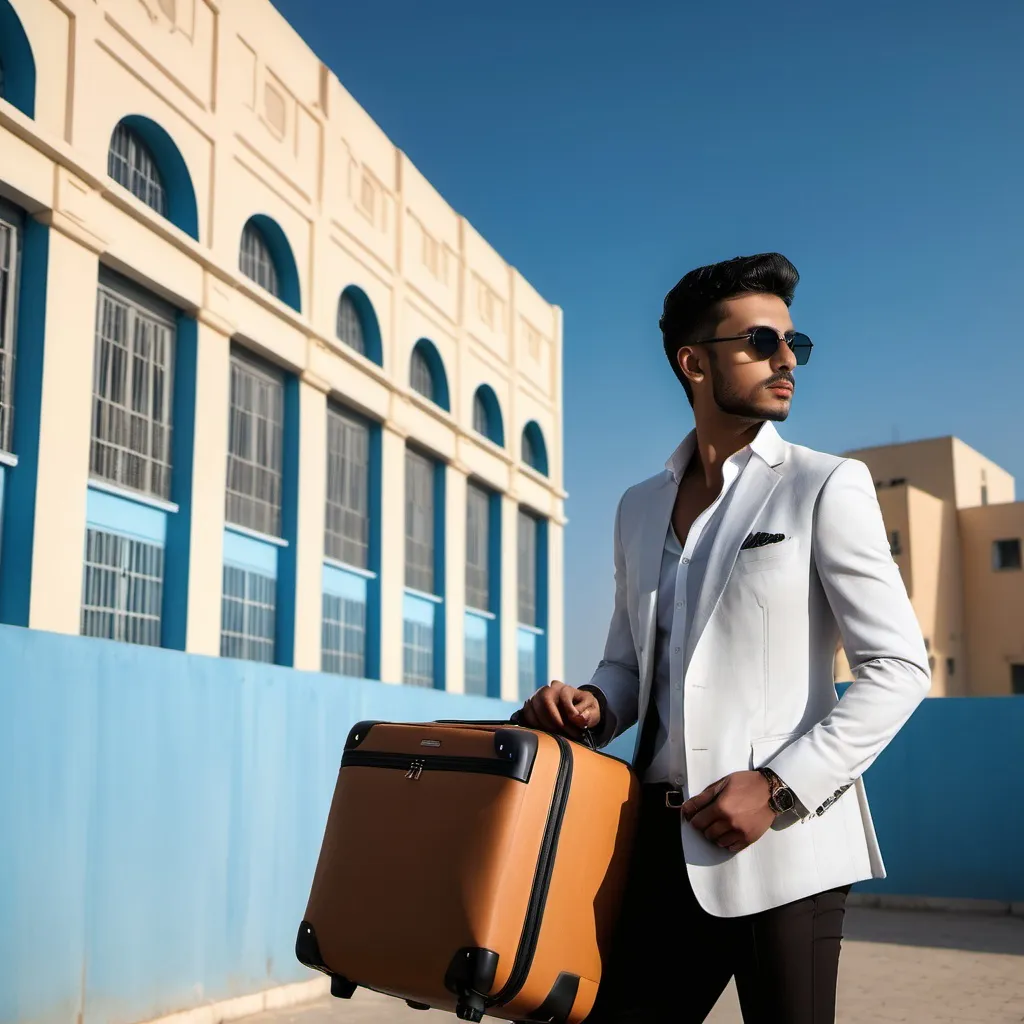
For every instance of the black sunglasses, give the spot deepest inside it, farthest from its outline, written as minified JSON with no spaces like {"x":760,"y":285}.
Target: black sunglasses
{"x":766,"y":340}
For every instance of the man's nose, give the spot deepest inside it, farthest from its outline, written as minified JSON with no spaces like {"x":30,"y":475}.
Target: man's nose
{"x":784,"y":357}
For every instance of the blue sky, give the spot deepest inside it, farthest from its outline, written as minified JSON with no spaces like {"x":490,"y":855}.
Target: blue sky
{"x":604,"y":152}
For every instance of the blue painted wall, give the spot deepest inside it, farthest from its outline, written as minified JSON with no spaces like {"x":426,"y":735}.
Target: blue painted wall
{"x":162,"y":815}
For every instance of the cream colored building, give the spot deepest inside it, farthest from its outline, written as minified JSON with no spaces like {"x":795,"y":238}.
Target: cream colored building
{"x":956,"y":532}
{"x":263,"y":392}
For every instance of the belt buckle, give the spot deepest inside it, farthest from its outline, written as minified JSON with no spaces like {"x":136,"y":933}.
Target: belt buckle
{"x":674,"y":799}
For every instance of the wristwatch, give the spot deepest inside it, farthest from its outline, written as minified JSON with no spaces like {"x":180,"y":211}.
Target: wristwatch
{"x":780,"y":796}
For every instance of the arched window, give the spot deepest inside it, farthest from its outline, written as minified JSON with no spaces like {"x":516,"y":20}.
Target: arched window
{"x":357,"y":324}
{"x":534,"y":451}
{"x":426,"y":374}
{"x":487,"y":415}
{"x":256,"y":261}
{"x":350,"y":326}
{"x":265,"y":256}
{"x":131,"y":164}
{"x":17,"y":65}
{"x":144,"y":159}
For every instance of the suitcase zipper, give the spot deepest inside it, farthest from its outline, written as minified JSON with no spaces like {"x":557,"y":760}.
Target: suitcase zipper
{"x":541,"y":880}
{"x":415,"y":764}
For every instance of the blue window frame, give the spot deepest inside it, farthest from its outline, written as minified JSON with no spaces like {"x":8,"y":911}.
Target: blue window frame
{"x":532,"y":566}
{"x":483,"y":590}
{"x":424,"y":649}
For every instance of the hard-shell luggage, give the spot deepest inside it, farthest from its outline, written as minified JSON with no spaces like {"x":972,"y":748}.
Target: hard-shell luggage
{"x":472,"y":867}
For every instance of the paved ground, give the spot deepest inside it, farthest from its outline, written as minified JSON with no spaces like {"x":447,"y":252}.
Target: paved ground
{"x":896,"y":966}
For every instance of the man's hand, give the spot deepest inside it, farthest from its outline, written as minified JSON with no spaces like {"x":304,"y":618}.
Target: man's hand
{"x":733,"y":812}
{"x":563,"y":709}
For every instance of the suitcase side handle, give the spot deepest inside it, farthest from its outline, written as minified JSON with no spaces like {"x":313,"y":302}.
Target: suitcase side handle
{"x":587,"y":737}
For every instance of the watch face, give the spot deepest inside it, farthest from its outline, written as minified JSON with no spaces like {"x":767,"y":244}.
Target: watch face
{"x":784,"y":799}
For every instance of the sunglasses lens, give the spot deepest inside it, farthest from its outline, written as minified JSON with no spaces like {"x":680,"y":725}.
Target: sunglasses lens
{"x":765,"y":341}
{"x":801,"y":346}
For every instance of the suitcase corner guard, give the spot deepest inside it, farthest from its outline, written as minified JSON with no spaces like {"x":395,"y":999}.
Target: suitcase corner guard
{"x":470,"y":976}
{"x":307,"y":952}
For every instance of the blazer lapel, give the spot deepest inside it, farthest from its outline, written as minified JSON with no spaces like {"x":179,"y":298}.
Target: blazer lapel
{"x":744,"y":504}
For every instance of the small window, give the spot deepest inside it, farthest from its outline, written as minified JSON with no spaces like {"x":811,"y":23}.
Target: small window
{"x":248,"y":609}
{"x":527,"y":565}
{"x":344,"y":636}
{"x":347,"y":526}
{"x":480,"y":420}
{"x":1006,"y":554}
{"x":350,"y":325}
{"x":894,"y":543}
{"x":420,"y":376}
{"x":2,"y":80}
{"x":131,"y":164}
{"x":9,"y":251}
{"x":255,"y":447}
{"x":122,"y":588}
{"x":478,"y":588}
{"x":256,"y":261}
{"x":132,"y":378}
{"x":418,"y":654}
{"x":419,"y":522}
{"x":950,"y":666}
{"x":1017,"y":680}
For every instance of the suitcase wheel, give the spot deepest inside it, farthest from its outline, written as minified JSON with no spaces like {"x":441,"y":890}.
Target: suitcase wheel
{"x":342,"y":988}
{"x":416,"y":1006}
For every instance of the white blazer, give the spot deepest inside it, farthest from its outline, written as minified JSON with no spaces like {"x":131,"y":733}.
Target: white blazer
{"x":758,"y":666}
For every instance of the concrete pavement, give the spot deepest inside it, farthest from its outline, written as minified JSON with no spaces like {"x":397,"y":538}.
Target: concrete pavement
{"x":915,"y":966}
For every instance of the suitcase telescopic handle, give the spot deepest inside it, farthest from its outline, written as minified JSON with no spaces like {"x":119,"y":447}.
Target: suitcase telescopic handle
{"x":588,"y":736}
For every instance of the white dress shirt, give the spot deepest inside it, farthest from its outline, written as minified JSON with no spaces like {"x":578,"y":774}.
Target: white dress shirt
{"x":668,"y":760}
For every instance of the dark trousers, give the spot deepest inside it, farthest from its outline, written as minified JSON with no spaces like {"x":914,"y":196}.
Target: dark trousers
{"x":671,"y":960}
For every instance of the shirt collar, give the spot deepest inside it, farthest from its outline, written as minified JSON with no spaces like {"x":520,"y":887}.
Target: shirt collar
{"x":765,"y":445}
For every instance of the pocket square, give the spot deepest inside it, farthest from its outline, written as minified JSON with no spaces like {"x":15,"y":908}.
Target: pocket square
{"x":758,"y":540}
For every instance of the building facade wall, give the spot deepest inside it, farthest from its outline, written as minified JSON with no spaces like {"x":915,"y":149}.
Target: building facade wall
{"x":244,"y":122}
{"x":993,"y":598}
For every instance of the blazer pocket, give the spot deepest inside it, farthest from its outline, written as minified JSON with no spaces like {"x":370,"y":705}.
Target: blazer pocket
{"x":768,"y":557}
{"x":763,"y":749}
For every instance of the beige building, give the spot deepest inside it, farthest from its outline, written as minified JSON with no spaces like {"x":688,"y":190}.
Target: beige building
{"x":263,"y":392}
{"x":956,"y":532}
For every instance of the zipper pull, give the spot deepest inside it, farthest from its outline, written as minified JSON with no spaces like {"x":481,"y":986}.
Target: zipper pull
{"x":415,"y":770}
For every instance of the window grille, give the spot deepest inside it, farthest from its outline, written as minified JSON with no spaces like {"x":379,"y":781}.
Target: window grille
{"x":255,"y":260}
{"x":347,"y":530}
{"x":478,"y":504}
{"x":350,"y":325}
{"x":527,"y":666}
{"x":481,"y":421}
{"x":419,"y":522}
{"x":8,"y":303}
{"x":255,"y":448}
{"x":131,"y":164}
{"x":344,"y":636}
{"x":248,"y":609}
{"x":527,"y":569}
{"x":122,"y":591}
{"x":131,"y":408}
{"x":529,"y":452}
{"x":418,"y":667}
{"x":420,"y":375}
{"x":476,"y":665}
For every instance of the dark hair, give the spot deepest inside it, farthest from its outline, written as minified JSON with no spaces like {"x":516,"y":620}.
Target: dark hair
{"x":693,"y":307}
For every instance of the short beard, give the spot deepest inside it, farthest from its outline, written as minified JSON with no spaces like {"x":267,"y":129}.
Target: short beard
{"x":729,"y":401}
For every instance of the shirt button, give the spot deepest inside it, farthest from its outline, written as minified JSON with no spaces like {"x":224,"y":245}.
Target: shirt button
{"x":677,"y":650}
{"x":679,"y":604}
{"x":679,"y":686}
{"x":686,"y":561}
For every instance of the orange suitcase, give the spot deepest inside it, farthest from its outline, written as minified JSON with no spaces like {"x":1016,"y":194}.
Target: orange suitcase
{"x":471,"y":867}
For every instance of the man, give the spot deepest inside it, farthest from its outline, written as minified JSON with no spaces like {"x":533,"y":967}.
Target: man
{"x":737,"y":570}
